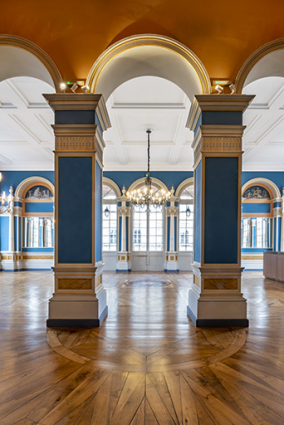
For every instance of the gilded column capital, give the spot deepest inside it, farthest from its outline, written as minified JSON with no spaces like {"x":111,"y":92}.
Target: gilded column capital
{"x":80,"y":102}
{"x":213,"y":102}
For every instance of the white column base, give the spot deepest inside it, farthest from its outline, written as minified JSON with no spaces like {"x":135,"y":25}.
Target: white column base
{"x":171,"y":266}
{"x":11,"y":261}
{"x":123,"y":262}
{"x":80,"y":299}
{"x":217,"y":310}
{"x":87,"y":310}
{"x":215,"y":298}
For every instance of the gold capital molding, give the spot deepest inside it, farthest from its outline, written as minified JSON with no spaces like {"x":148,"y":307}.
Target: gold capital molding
{"x":123,"y":210}
{"x":80,"y":102}
{"x":216,"y":102}
{"x":217,"y":139}
{"x":78,"y":138}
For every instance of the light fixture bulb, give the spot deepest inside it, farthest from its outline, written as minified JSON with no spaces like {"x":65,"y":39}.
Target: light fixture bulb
{"x":63,"y":86}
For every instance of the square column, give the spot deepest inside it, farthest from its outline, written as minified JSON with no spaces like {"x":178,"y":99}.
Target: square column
{"x":215,"y":298}
{"x":79,"y":298}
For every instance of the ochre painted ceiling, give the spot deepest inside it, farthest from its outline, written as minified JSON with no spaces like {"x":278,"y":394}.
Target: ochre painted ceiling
{"x":74,"y":33}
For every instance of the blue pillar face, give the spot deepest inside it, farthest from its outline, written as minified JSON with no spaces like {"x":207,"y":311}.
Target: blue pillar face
{"x":221,"y":210}
{"x":197,"y":212}
{"x":74,"y":209}
{"x":98,"y":212}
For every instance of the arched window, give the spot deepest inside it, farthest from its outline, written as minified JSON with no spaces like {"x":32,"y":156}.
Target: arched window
{"x":38,"y":223}
{"x":257,"y":215}
{"x":109,"y":218}
{"x":186,"y":214}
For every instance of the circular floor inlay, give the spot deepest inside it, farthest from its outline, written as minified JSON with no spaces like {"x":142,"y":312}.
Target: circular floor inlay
{"x":147,"y":282}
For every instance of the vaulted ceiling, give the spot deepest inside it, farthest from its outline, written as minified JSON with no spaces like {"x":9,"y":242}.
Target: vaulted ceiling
{"x":222,"y":34}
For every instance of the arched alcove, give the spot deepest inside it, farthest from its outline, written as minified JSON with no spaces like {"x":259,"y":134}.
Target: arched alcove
{"x":152,"y":55}
{"x":20,"y":57}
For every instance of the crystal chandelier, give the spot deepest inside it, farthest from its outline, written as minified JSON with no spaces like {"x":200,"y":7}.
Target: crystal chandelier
{"x":147,"y":195}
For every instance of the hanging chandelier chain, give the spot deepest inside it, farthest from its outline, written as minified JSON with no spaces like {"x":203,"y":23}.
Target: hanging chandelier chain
{"x":146,"y":197}
{"x":149,"y":132}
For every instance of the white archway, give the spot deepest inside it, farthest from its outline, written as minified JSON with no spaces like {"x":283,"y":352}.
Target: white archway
{"x":22,"y":58}
{"x":148,"y":55}
{"x":267,"y":61}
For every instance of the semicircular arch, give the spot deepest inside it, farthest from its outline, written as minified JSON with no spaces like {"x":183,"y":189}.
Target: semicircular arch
{"x":110,"y":183}
{"x":22,"y":58}
{"x":25,"y":184}
{"x":152,"y":55}
{"x":267,"y":61}
{"x":272,"y":188}
{"x":184,"y":184}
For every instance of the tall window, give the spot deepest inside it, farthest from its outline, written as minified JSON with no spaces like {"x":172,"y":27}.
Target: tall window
{"x":109,"y":219}
{"x":257,"y":232}
{"x":147,"y":227}
{"x":186,"y":214}
{"x":38,"y":232}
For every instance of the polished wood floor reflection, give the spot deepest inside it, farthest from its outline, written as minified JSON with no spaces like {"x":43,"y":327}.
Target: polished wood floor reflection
{"x":147,"y":363}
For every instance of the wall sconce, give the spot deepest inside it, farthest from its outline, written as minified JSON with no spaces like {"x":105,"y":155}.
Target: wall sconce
{"x":188,"y":212}
{"x":106,"y":212}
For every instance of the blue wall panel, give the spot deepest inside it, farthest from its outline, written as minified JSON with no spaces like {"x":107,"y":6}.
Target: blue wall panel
{"x":39,"y":207}
{"x":221,"y":210}
{"x":14,"y":178}
{"x":16,"y":233}
{"x":4,"y":233}
{"x":98,"y":212}
{"x":197,"y":213}
{"x":75,"y":210}
{"x":256,"y":207}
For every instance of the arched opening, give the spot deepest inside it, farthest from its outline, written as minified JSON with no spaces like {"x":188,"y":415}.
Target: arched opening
{"x":27,"y":144}
{"x":145,"y":55}
{"x":149,"y":81}
{"x":263,"y":76}
{"x":260,"y":230}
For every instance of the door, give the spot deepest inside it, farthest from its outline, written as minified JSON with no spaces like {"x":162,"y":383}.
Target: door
{"x":147,"y":238}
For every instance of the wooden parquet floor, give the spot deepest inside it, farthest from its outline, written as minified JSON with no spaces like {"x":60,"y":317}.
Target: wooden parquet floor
{"x":147,"y":363}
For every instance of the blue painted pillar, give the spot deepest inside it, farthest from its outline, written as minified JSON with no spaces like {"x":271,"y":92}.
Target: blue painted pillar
{"x":79,"y":298}
{"x":253,"y":233}
{"x":215,"y":298}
